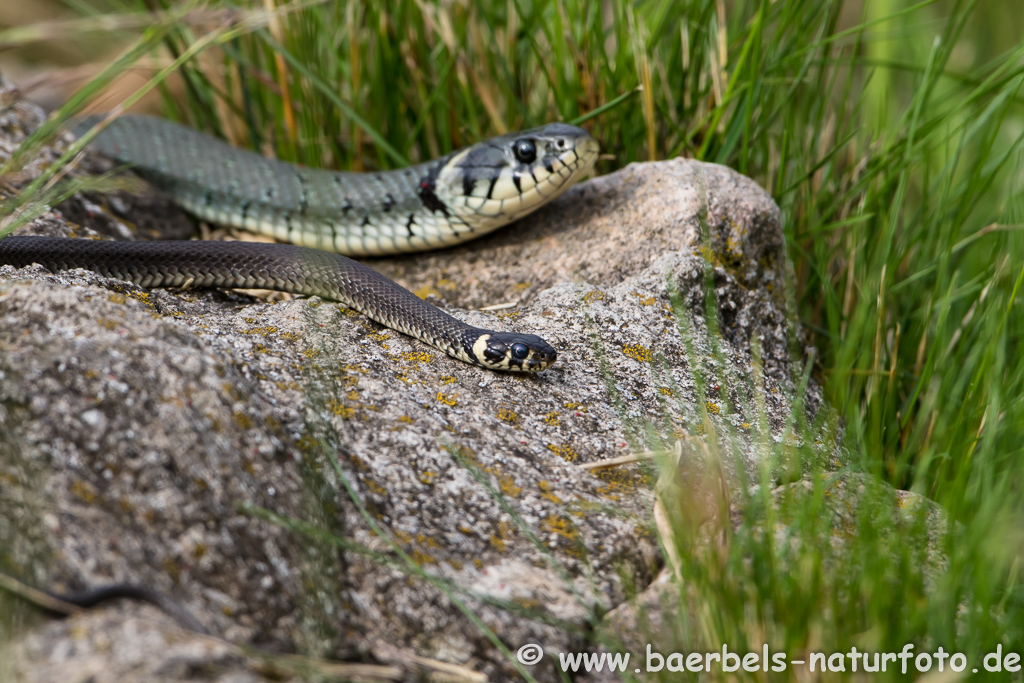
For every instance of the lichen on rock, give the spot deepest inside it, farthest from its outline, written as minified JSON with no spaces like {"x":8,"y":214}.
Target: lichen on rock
{"x":181,"y":439}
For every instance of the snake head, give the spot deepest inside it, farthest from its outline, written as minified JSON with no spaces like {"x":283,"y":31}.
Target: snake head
{"x":510,"y":351}
{"x":502,"y":179}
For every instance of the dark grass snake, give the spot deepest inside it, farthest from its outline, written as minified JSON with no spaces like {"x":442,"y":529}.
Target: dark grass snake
{"x":459,"y":197}
{"x":65,"y":604}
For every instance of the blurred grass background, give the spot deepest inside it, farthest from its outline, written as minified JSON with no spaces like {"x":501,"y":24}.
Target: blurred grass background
{"x":889,"y":132}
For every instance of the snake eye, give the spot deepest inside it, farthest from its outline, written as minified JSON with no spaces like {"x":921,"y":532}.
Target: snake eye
{"x":520,"y":351}
{"x":525,"y":151}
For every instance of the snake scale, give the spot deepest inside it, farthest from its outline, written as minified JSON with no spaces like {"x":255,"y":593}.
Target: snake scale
{"x":458,"y":197}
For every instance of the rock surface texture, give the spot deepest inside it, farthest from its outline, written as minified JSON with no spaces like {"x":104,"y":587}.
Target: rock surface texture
{"x":304,"y":480}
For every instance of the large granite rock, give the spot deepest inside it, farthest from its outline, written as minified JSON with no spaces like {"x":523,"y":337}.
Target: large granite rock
{"x":302,"y":479}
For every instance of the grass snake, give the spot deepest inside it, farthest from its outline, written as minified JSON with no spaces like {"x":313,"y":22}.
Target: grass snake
{"x":458,"y":197}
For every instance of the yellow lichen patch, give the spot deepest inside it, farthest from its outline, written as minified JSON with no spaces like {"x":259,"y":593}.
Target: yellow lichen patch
{"x":511,"y":314}
{"x":561,"y":526}
{"x":645,"y":300}
{"x":478,"y":563}
{"x":623,"y":480}
{"x":290,"y":336}
{"x":173,"y":570}
{"x":107,"y":323}
{"x":572,"y":405}
{"x":447,"y":399}
{"x":713,"y":408}
{"x":426,"y":477}
{"x":122,"y":295}
{"x":520,"y":286}
{"x":665,"y":391}
{"x":425,"y":291}
{"x":455,"y":564}
{"x":498,"y":543}
{"x":447,"y":379}
{"x":406,"y":419}
{"x":547,"y":491}
{"x":566,"y":452}
{"x":417,"y":357}
{"x":609,"y":491}
{"x":508,"y":415}
{"x":552,"y":419}
{"x":307,"y":443}
{"x":380,"y":336}
{"x":141,"y":297}
{"x":421,"y":558}
{"x":508,"y":485}
{"x":242,"y":420}
{"x":376,"y":487}
{"x":84,"y":491}
{"x":638,"y":352}
{"x":581,"y":507}
{"x":506,"y":482}
{"x":594,"y":295}
{"x":403,"y":536}
{"x":528,"y":603}
{"x":262,"y":330}
{"x":352,"y":395}
{"x":464,"y":530}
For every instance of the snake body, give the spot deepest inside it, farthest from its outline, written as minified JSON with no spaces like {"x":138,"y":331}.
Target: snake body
{"x":461,"y":196}
{"x":64,"y":604}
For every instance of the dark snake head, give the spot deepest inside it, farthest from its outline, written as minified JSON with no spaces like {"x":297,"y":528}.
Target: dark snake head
{"x":499,"y":180}
{"x":509,"y":351}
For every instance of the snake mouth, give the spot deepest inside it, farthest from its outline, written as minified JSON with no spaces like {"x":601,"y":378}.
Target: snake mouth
{"x":538,"y":362}
{"x":588,"y":149}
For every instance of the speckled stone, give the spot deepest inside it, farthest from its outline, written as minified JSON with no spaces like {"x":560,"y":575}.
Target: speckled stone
{"x":145,"y":430}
